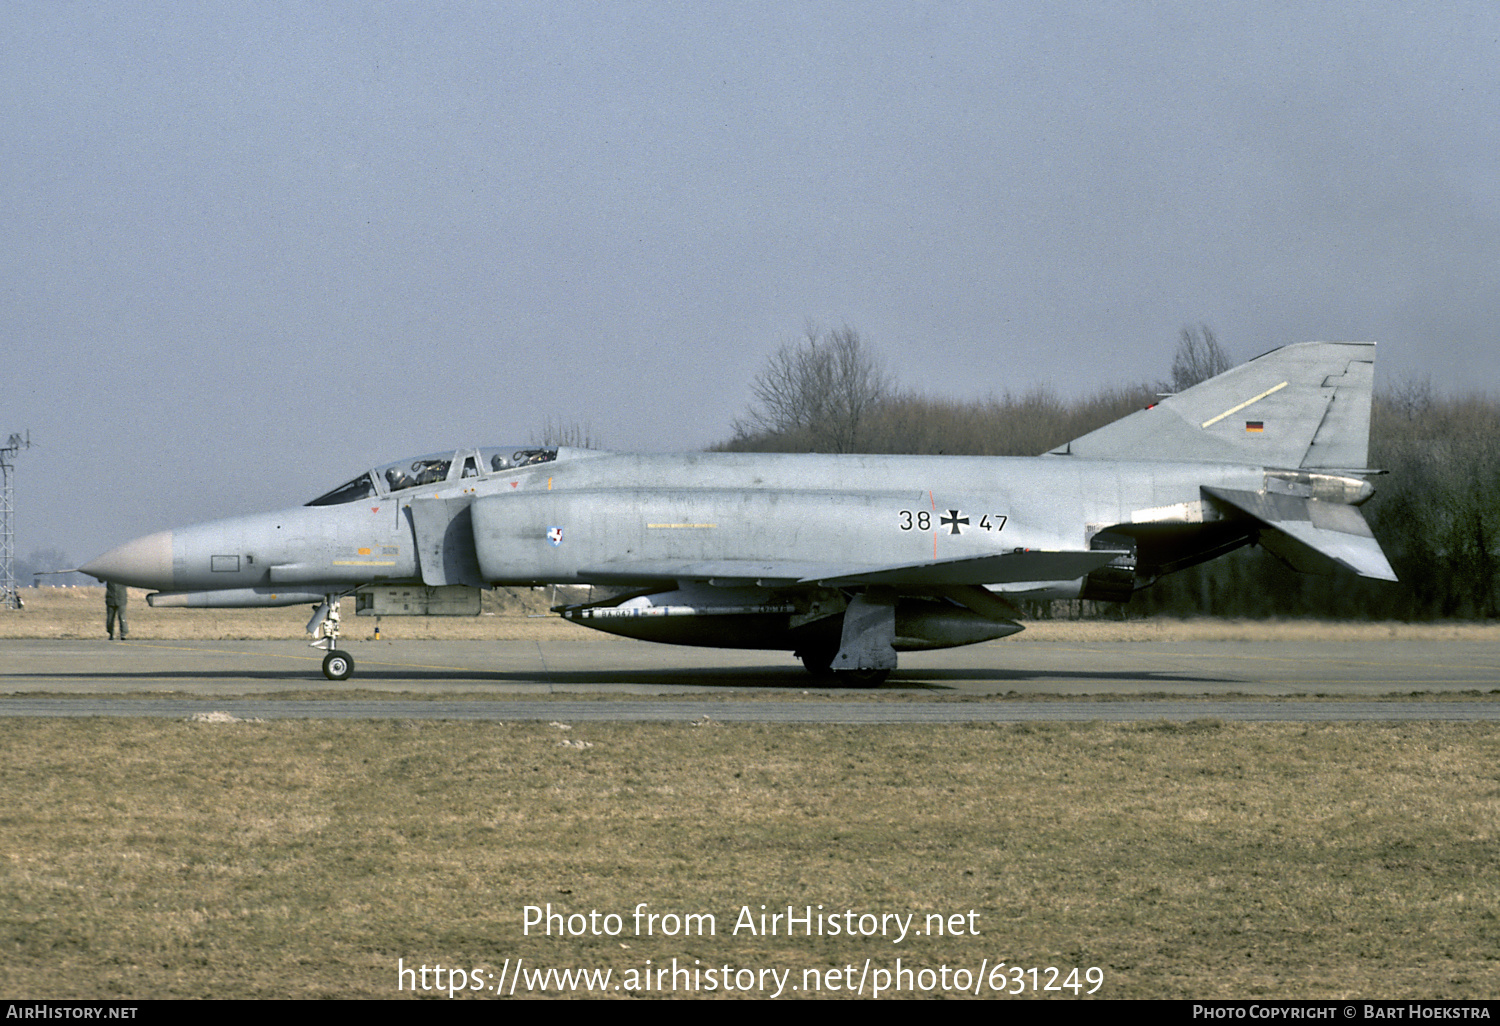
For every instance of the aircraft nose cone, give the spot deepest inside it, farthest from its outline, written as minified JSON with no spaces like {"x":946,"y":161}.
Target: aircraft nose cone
{"x":143,"y":563}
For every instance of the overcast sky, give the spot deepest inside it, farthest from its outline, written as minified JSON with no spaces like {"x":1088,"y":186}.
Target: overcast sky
{"x":250,"y":249}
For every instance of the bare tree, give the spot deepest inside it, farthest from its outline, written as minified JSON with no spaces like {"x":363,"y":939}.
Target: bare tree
{"x":48,"y":560}
{"x":1198,"y":358}
{"x":569,"y":433}
{"x":1410,"y":397}
{"x":820,"y":388}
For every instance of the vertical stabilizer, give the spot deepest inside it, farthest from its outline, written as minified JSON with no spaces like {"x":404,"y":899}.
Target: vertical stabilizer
{"x":1305,"y":405}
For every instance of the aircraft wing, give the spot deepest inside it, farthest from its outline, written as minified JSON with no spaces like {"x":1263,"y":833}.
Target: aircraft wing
{"x":1005,"y":568}
{"x":1002,"y":568}
{"x":1331,"y":529}
{"x":769,"y":573}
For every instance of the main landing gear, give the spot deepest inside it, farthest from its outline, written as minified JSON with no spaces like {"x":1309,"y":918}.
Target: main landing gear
{"x":819,"y":663}
{"x":865,"y":654}
{"x":324,"y":626}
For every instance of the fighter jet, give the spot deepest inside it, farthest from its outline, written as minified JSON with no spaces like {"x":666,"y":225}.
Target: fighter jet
{"x":843,"y":560}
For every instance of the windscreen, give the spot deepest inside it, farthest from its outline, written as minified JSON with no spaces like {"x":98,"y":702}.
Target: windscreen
{"x":360,"y":488}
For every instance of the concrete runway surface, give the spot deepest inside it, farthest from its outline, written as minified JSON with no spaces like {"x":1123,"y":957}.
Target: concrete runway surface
{"x":548,"y":680}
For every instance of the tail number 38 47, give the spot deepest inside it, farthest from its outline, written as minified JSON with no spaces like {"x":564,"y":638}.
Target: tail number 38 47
{"x":953,"y":522}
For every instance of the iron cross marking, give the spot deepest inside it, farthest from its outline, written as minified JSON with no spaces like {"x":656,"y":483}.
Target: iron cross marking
{"x":952,"y":520}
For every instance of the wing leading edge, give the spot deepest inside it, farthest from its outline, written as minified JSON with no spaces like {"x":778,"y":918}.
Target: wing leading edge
{"x":1003,"y":568}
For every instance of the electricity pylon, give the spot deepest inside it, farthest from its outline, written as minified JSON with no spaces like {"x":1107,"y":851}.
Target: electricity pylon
{"x":10,"y":598}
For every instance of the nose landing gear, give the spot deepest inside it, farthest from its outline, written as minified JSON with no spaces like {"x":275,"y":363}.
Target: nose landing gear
{"x":324,"y":626}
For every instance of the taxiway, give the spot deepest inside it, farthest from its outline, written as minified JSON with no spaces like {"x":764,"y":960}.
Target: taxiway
{"x":610,"y":679}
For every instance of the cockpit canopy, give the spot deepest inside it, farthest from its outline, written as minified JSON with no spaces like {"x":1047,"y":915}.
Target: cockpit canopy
{"x":434,"y":468}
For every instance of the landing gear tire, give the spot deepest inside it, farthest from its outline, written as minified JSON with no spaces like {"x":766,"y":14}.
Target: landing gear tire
{"x":861,"y":678}
{"x":819,"y":663}
{"x":338,"y":665}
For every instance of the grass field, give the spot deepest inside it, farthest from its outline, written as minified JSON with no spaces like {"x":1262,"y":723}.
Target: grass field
{"x":303,"y":859}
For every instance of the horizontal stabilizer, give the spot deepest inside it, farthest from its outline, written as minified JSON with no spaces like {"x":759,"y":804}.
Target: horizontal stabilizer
{"x":1301,"y":526}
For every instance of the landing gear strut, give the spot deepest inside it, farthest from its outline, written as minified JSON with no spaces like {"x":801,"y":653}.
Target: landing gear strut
{"x":337,"y":664}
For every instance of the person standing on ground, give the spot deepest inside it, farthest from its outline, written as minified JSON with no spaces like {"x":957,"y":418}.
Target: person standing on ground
{"x":115,"y":597}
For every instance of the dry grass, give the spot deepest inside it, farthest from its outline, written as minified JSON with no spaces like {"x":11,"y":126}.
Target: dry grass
{"x":521,"y":615}
{"x":508,"y":614}
{"x":301,"y":859}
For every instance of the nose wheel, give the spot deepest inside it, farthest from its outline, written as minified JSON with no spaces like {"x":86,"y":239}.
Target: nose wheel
{"x":338,"y":665}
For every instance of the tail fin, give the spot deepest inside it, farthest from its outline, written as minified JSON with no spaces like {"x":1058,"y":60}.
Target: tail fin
{"x":1305,"y":405}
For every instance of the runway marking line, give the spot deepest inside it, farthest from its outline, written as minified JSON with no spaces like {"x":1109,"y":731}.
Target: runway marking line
{"x":306,"y":658}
